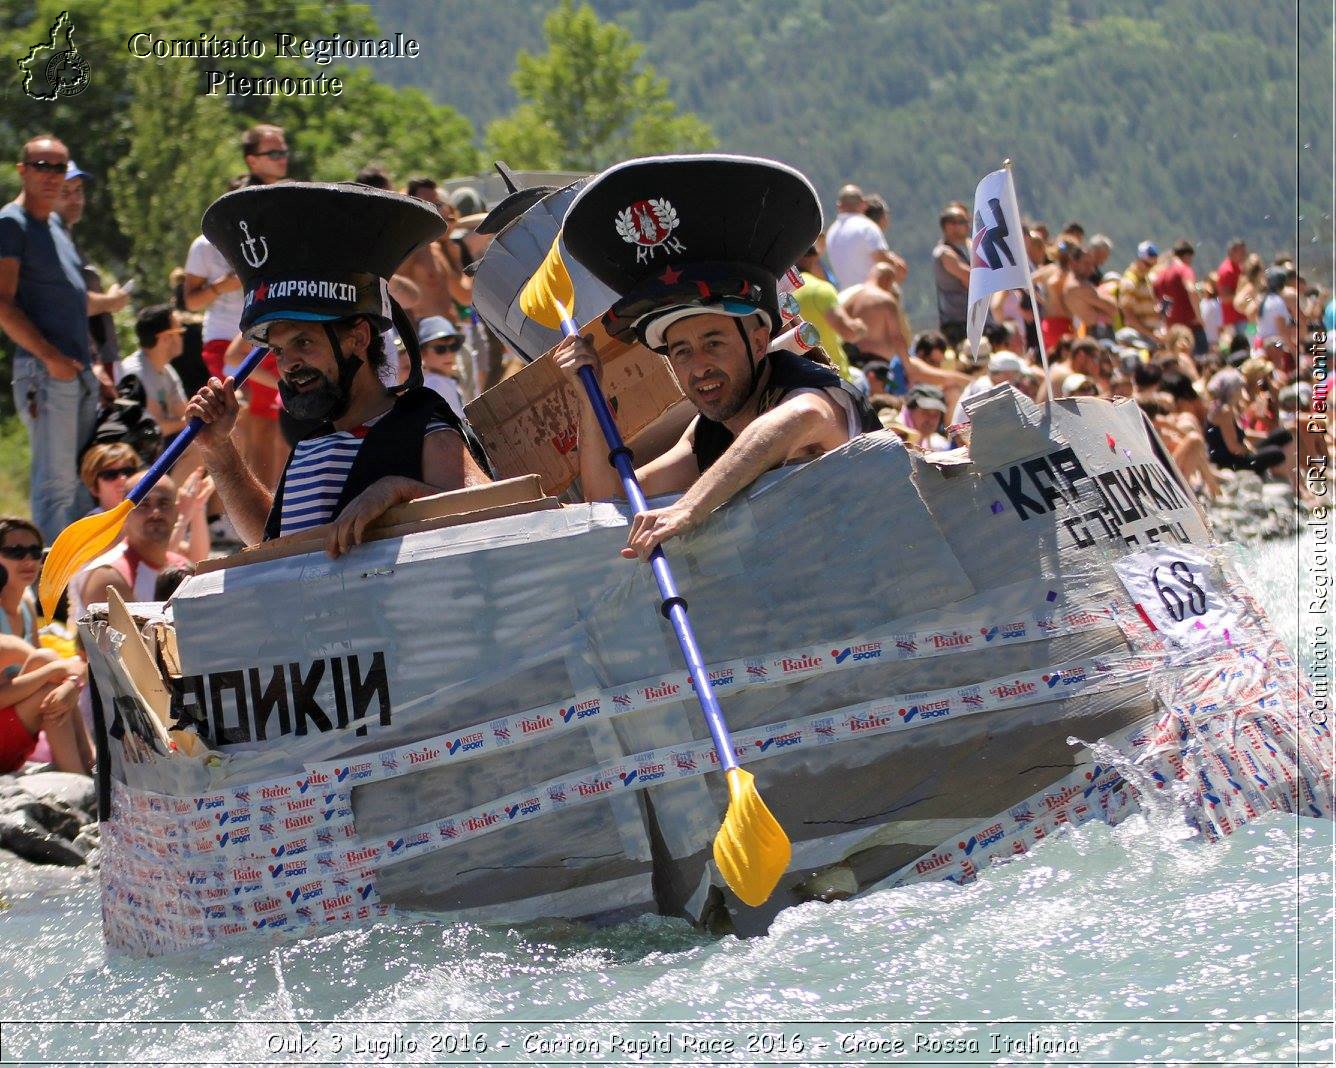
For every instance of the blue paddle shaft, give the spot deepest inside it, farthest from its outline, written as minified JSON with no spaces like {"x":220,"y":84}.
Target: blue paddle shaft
{"x":677,"y":612}
{"x":181,"y":442}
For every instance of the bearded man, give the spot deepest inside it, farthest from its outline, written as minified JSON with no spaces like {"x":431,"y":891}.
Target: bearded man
{"x":314,"y":262}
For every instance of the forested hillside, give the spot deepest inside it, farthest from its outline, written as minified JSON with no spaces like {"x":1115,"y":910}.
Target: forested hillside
{"x":1142,"y":118}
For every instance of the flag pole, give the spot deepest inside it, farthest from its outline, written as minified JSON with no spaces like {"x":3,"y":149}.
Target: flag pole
{"x":1029,"y":281}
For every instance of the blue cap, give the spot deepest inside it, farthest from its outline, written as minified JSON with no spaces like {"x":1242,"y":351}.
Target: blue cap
{"x":1147,"y":250}
{"x":72,"y":171}
{"x":434,"y":327}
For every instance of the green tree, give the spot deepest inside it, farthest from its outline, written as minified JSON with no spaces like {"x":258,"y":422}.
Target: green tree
{"x":331,"y":137}
{"x":590,"y":100}
{"x":177,"y":161}
{"x":402,"y":130}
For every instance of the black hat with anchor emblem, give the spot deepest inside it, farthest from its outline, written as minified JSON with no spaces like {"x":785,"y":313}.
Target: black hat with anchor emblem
{"x":321,"y":253}
{"x":682,"y":235}
{"x":317,"y":252}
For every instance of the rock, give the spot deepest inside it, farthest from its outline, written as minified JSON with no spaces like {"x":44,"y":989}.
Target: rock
{"x":88,"y":842}
{"x":48,"y":812}
{"x":47,"y":817}
{"x":23,"y":835}
{"x":77,"y":791}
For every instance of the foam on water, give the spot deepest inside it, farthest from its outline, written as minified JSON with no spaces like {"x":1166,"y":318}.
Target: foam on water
{"x":1136,"y":942}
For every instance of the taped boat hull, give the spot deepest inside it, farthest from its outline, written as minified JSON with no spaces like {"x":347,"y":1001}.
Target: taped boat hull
{"x":490,"y":721}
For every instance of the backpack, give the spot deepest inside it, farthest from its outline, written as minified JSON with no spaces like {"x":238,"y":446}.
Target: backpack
{"x":126,"y":419}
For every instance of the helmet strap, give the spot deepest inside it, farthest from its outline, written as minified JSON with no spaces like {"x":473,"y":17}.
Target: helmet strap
{"x":347,"y":365}
{"x":751,"y":358}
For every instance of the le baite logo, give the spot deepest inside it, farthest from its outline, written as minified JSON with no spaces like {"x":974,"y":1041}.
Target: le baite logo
{"x":54,"y":68}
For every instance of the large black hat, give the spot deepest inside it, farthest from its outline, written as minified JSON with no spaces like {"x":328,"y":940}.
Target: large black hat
{"x":678,"y":234}
{"x":317,"y":251}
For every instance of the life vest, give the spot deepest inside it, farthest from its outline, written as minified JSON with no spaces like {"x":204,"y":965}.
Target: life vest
{"x":392,"y":447}
{"x":788,"y":372}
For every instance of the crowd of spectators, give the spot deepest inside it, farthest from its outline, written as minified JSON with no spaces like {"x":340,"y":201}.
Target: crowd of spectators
{"x":1221,"y":364}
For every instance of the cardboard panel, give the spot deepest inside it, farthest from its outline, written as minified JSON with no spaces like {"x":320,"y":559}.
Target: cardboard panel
{"x":529,"y":423}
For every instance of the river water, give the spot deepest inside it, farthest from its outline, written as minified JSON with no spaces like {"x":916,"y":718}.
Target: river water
{"x":1105,"y":945}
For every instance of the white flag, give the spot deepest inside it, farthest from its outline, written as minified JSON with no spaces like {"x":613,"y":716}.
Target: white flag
{"x":997,"y":249}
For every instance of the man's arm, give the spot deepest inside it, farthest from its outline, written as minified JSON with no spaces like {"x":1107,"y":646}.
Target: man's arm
{"x":459,"y":285}
{"x":97,"y":583}
{"x":246,"y":500}
{"x":795,"y":425}
{"x":447,"y":464}
{"x":199,"y":292}
{"x":955,"y":266}
{"x":407,"y":292}
{"x":20,"y":329}
{"x":1088,"y":305}
{"x":844,"y":324}
{"x":1127,"y":307}
{"x":113,"y":300}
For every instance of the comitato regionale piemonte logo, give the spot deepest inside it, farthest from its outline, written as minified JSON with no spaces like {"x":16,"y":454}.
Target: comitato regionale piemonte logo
{"x":54,"y":68}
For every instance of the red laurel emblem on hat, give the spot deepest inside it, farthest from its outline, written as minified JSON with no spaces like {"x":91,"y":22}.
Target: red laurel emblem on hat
{"x":649,"y":224}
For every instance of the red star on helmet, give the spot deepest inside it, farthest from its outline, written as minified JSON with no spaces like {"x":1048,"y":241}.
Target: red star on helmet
{"x":670,"y":276}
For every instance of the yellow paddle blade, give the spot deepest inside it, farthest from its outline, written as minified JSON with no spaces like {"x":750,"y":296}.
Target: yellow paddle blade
{"x":751,"y":848}
{"x":550,"y":291}
{"x":81,"y":541}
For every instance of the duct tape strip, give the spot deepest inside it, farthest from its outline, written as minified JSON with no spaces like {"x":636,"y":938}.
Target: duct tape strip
{"x":1087,"y":793}
{"x":1220,"y":757}
{"x":180,"y":872}
{"x":289,"y":816}
{"x":1052,"y":619}
{"x":682,"y":761}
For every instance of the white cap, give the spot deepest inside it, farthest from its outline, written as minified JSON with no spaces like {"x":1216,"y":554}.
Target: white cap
{"x":1073,"y":382}
{"x":1005,"y":363}
{"x":659,"y":322}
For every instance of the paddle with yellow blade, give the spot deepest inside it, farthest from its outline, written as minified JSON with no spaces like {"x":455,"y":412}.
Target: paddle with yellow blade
{"x":86,"y":539}
{"x":751,"y":848}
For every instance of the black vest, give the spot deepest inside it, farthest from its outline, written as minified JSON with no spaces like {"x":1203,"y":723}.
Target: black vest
{"x":393,"y":446}
{"x":788,"y":372}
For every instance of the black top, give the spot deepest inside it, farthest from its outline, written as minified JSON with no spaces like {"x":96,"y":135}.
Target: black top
{"x":393,"y":446}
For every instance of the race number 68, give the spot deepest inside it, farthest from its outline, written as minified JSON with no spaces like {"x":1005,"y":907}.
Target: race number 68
{"x":1180,"y":594}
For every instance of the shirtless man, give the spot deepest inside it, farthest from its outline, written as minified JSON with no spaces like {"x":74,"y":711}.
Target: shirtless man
{"x":877,"y":304}
{"x":433,"y":268}
{"x":923,"y":367}
{"x":1069,"y":296}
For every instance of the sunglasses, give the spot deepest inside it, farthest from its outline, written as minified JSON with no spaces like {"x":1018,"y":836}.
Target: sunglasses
{"x":273,"y":153}
{"x":45,"y":166}
{"x":452,"y":345}
{"x":21,"y":552}
{"x":113,"y":473}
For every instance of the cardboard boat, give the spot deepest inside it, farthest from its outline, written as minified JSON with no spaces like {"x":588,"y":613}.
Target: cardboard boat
{"x":928,"y":663}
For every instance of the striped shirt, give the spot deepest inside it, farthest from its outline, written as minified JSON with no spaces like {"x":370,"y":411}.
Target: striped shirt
{"x":317,"y":472}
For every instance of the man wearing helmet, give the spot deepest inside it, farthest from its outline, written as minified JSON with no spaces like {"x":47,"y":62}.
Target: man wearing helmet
{"x":698,"y":285}
{"x":756,"y":410}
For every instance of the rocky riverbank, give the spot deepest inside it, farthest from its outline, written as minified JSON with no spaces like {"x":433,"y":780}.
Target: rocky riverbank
{"x":49,"y":817}
{"x":1249,"y":509}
